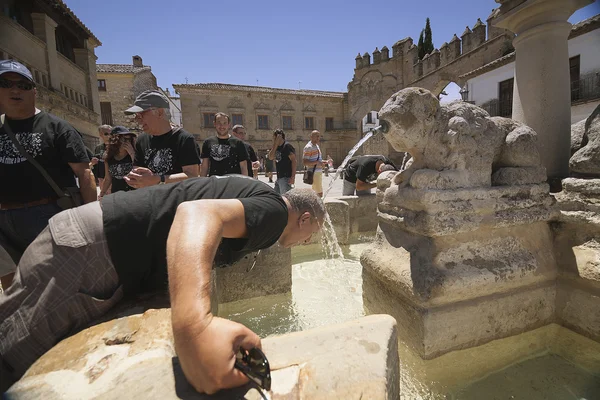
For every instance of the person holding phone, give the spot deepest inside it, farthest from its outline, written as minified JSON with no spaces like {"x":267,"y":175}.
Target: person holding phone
{"x":118,"y":160}
{"x":284,"y":155}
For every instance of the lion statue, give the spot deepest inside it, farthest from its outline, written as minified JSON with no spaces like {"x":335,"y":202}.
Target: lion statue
{"x":458,"y":145}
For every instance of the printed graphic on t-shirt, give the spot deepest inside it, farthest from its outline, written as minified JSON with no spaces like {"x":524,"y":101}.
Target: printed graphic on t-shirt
{"x":119,"y":171}
{"x":219,"y":152}
{"x":159,"y":161}
{"x":32,"y":142}
{"x":277,"y":156}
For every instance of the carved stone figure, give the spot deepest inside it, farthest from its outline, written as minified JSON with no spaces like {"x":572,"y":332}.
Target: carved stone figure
{"x":458,"y":145}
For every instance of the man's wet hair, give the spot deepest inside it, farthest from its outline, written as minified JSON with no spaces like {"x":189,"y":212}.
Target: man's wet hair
{"x":306,"y":200}
{"x":279,"y":132}
{"x":387,"y":167}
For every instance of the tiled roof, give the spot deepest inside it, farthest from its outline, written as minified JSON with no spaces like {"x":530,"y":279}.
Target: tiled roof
{"x":66,"y":10}
{"x":122,"y":68}
{"x":579,"y":28}
{"x":585,"y":26}
{"x":260,"y":89}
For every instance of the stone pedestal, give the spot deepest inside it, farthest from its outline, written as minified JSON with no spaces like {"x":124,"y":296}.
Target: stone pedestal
{"x":541,"y":97}
{"x":134,"y":358}
{"x":458,"y":268}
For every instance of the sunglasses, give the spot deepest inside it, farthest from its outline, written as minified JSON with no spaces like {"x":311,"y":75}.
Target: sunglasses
{"x":23,"y":85}
{"x":253,"y":363}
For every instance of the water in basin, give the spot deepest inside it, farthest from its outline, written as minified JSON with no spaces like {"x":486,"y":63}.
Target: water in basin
{"x":548,"y":363}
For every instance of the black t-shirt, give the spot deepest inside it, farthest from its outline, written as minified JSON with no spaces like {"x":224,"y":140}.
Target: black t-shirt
{"x":166,"y":154}
{"x":118,"y":169}
{"x":282,"y":159}
{"x":137,"y":225}
{"x":251,"y":157}
{"x":363,"y":168}
{"x":225,"y":155}
{"x":99,"y":150}
{"x":53,"y":143}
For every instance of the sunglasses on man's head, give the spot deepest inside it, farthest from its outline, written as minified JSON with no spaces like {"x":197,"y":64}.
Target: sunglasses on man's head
{"x":253,"y":363}
{"x":23,"y":85}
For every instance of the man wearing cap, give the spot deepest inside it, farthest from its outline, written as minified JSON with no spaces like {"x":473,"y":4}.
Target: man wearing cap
{"x":27,"y":200}
{"x":162,"y":154}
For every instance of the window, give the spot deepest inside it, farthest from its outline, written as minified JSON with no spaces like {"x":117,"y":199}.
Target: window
{"x":286,"y":122}
{"x":574,"y":64}
{"x":209,"y":120}
{"x":328,"y":124}
{"x":370,"y":118}
{"x":309,"y":122}
{"x":263,"y":122}
{"x":72,"y":95}
{"x":66,"y":91}
{"x":237,"y":119}
{"x":102,"y":85}
{"x":44,"y":81}
{"x":37,"y":76}
{"x":505,"y":97}
{"x":106,"y":113}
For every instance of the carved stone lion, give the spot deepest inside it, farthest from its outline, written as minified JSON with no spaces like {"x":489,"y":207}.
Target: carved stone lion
{"x":458,"y":145}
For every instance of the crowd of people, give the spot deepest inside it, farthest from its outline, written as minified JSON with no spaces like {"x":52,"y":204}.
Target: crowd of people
{"x":167,"y":212}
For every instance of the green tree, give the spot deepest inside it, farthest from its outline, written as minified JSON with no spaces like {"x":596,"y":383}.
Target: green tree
{"x":428,"y":39}
{"x":420,"y":47}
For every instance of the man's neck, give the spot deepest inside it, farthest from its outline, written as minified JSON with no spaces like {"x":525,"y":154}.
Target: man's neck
{"x":226,"y":136}
{"x":23,"y":114}
{"x":162,"y":129}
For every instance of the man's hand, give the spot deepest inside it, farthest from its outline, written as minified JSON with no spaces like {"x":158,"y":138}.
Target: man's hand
{"x":94,"y":161}
{"x":256,"y":165}
{"x":207,"y":357}
{"x":292,"y":180}
{"x":130,"y":150}
{"x":140,"y":177}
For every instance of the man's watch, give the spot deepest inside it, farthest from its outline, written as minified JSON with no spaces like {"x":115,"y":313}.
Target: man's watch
{"x":162,"y":180}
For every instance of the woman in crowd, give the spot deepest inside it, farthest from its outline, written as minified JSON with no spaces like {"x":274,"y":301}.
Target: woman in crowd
{"x":118,"y":160}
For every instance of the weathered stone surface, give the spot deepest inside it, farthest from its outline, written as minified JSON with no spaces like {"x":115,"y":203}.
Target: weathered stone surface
{"x":134,"y":358}
{"x":578,"y":136}
{"x":272,"y":274}
{"x":586,"y":160}
{"x":456,"y":145}
{"x":518,"y":176}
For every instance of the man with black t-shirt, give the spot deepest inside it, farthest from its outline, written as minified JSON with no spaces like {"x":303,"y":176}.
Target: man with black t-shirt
{"x":141,"y":241}
{"x":162,"y":154}
{"x":360,"y":174}
{"x":223,"y":154}
{"x":252,"y":162}
{"x":284,"y":155}
{"x":27,"y":200}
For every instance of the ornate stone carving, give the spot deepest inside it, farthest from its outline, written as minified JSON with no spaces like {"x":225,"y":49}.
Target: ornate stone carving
{"x":207,"y":102}
{"x":286,"y":106}
{"x":235,"y":103}
{"x":309,"y":108}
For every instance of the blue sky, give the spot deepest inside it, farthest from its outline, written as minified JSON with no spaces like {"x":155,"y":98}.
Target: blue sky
{"x":309,"y":44}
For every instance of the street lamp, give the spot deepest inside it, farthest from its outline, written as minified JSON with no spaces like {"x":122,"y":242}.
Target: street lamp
{"x":464,"y":93}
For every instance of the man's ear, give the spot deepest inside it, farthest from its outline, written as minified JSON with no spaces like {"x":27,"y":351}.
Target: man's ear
{"x":305,"y":218}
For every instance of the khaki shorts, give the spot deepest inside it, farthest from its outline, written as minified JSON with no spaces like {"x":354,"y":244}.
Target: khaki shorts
{"x":317,"y":185}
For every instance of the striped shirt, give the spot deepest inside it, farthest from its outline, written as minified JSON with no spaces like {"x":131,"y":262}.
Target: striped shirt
{"x":312,"y":152}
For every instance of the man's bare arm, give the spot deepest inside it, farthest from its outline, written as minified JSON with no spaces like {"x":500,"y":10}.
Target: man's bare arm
{"x":244,"y":167}
{"x":205,"y":344}
{"x":204,"y":167}
{"x":361,"y":185}
{"x":87,"y":183}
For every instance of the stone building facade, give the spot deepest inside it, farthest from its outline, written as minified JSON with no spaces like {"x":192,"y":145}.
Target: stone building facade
{"x":262,"y":110}
{"x":47,"y":37}
{"x":118,"y":86}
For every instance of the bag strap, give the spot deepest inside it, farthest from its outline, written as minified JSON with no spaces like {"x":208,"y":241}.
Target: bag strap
{"x":28,"y":156}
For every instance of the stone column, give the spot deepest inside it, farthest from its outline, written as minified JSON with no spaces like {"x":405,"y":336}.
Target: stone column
{"x":542,"y":89}
{"x":86,"y":59}
{"x":44,"y":28}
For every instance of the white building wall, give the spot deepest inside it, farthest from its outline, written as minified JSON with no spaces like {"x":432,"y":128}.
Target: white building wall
{"x":587,"y":46}
{"x":484,"y":87}
{"x":374,"y":121}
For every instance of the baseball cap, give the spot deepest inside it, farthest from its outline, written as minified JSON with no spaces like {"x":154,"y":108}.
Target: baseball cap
{"x":146,"y":100}
{"x":16,"y":67}
{"x":121,"y":130}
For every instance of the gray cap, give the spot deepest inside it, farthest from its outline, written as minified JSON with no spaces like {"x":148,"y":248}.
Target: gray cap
{"x":146,"y":100}
{"x":16,"y":67}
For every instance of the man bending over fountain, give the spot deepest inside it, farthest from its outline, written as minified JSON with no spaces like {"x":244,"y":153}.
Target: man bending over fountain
{"x":360,"y":174}
{"x":90,"y":257}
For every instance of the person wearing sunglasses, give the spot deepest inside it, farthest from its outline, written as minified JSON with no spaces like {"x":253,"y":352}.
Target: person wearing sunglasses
{"x":142,"y":241}
{"x":97,"y":162}
{"x":27,"y":200}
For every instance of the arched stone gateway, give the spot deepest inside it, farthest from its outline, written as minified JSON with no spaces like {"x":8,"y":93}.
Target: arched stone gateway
{"x":373,"y":83}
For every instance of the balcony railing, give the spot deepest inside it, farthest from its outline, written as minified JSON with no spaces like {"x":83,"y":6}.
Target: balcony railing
{"x":498,"y":108}
{"x":586,"y":88}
